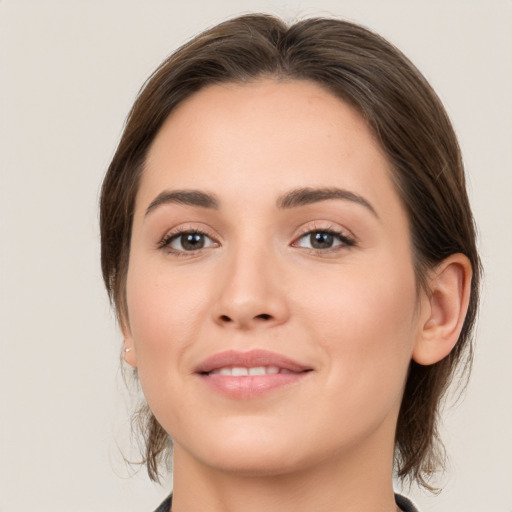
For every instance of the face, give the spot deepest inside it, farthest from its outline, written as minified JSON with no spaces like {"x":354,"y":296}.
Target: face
{"x":272,"y":301}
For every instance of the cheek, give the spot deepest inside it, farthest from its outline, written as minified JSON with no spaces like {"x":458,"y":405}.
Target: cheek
{"x":364,"y":324}
{"x":164,"y":318}
{"x":365,"y":320}
{"x":164,"y":311}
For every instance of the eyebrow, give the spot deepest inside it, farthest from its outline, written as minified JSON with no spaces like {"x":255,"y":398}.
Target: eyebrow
{"x":308,"y":195}
{"x":293,"y":199}
{"x":187,"y":197}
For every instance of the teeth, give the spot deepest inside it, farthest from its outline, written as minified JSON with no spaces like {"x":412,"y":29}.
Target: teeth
{"x":258,"y":370}
{"x":239,"y":371}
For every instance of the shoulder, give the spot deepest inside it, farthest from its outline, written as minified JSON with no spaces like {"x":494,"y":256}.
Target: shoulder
{"x":404,"y":503}
{"x":165,"y":506}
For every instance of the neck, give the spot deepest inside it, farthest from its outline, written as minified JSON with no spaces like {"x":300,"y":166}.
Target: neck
{"x":353,"y":482}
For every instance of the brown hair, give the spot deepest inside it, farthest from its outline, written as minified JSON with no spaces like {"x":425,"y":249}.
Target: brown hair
{"x":405,"y":115}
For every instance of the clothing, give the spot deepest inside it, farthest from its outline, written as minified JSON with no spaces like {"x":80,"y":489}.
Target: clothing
{"x":404,"y":503}
{"x":165,"y":506}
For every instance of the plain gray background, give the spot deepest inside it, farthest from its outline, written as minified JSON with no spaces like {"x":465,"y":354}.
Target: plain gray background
{"x":69,"y":71}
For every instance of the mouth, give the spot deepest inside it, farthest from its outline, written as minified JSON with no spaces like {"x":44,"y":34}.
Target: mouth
{"x":250,"y":374}
{"x":253,"y":362}
{"x":242,"y":371}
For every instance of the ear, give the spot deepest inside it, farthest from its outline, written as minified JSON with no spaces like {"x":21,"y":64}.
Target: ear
{"x":447,"y":304}
{"x":129,"y":352}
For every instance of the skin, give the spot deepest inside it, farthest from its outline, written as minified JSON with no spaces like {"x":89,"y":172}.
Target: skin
{"x":352,"y":313}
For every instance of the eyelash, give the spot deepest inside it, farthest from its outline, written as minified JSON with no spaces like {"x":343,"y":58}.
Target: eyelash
{"x":346,"y":241}
{"x":166,"y":241}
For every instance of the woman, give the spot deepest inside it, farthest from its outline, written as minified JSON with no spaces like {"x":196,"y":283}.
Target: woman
{"x":289,"y":245}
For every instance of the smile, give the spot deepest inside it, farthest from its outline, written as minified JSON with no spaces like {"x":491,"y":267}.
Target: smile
{"x":240,"y":371}
{"x":244,"y":375}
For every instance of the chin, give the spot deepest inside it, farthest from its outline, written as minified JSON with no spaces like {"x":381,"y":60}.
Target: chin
{"x":256,"y":462}
{"x":249,"y":451}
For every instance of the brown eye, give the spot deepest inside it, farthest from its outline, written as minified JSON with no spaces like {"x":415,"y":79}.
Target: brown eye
{"x":191,"y":241}
{"x":188,"y":241}
{"x":323,"y":240}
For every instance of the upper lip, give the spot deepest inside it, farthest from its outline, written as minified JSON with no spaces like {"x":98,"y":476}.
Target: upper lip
{"x":249,"y":359}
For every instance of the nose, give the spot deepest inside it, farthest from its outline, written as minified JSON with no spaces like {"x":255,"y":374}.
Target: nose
{"x":251,"y":291}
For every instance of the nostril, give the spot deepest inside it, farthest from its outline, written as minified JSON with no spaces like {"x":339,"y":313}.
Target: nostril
{"x":225,"y":319}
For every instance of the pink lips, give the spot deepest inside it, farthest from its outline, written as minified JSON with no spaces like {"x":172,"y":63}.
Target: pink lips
{"x":226,"y":372}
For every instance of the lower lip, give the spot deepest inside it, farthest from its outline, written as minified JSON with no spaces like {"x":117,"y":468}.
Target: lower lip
{"x":250,"y":386}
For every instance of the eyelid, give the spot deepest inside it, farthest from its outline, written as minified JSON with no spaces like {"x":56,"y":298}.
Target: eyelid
{"x":346,"y":237}
{"x":325,"y":226}
{"x":174,"y":233}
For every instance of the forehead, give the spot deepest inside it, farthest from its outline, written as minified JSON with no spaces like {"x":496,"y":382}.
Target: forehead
{"x":262,"y":138}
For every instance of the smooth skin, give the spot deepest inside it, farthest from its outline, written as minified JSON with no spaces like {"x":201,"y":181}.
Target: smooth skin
{"x":329,"y":284}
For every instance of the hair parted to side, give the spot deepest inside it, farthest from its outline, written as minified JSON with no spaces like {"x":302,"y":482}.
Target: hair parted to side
{"x":406,"y":116}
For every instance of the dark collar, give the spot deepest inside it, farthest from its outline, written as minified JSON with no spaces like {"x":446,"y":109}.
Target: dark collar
{"x":404,"y":503}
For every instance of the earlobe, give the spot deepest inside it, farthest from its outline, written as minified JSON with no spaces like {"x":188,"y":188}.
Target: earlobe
{"x":449,"y":286}
{"x":129,"y":353}
{"x":129,"y":356}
